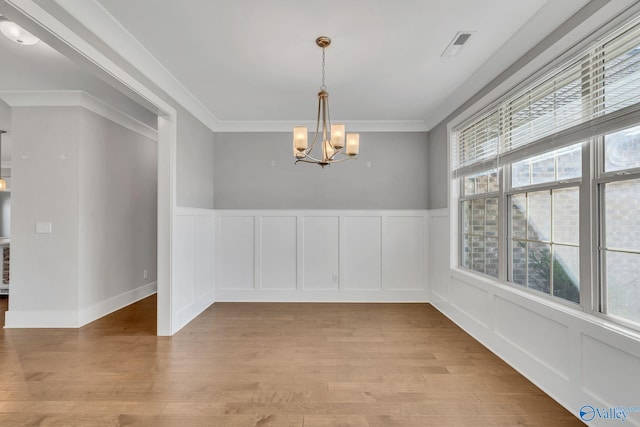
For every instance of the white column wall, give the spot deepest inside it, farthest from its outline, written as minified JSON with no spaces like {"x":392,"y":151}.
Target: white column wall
{"x":193,"y":262}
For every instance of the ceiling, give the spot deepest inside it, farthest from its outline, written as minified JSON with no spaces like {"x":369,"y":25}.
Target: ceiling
{"x":256,"y":61}
{"x":38,"y":68}
{"x":254,"y":64}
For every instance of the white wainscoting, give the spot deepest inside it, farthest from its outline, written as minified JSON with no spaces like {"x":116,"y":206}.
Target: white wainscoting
{"x":321,"y":256}
{"x":577,"y":359}
{"x":192,"y":274}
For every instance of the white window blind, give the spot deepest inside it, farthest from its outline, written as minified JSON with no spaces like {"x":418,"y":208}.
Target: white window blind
{"x":597,"y":91}
{"x":551,"y":105}
{"x":478,"y":142}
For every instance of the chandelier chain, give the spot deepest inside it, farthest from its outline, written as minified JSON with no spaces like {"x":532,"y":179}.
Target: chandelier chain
{"x":323,"y":86}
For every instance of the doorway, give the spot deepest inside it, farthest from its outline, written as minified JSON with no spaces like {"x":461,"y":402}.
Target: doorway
{"x":102,"y":93}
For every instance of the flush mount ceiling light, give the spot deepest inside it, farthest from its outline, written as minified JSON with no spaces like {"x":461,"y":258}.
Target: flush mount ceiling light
{"x":16,"y":33}
{"x":334,"y":148}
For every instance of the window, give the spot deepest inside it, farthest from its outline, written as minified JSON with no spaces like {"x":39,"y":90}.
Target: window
{"x":563,"y":220}
{"x":480,"y":222}
{"x":559,"y":165}
{"x":619,"y":190}
{"x":544,"y":229}
{"x":622,"y":150}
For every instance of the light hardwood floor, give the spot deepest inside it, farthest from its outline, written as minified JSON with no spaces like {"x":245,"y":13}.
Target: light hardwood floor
{"x":266,"y":365}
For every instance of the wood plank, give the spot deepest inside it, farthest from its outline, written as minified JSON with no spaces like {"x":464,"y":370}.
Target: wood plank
{"x":241,"y":364}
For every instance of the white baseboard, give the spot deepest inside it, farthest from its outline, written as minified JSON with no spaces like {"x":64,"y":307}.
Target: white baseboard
{"x":76,"y":319}
{"x":41,"y":319}
{"x":103,"y":308}
{"x":186,"y":315}
{"x":413,"y":296}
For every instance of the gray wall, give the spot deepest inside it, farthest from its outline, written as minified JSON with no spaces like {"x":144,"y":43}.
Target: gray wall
{"x":96,"y":182}
{"x":257,"y":171}
{"x":438,"y":177}
{"x":194,"y":178}
{"x":117,"y":209}
{"x":45,"y":189}
{"x":5,"y":116}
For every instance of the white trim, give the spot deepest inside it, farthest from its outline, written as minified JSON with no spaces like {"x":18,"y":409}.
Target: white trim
{"x":183,"y":317}
{"x":346,"y":296}
{"x":352,"y":126}
{"x":186,"y":211}
{"x":41,"y":319}
{"x":79,"y":318}
{"x":320,"y":212}
{"x":115,"y":303}
{"x":439,"y":213}
{"x":79,"y":98}
{"x":167,"y":143}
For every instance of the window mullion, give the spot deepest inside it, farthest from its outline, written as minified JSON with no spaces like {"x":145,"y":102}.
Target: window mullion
{"x":588,"y":223}
{"x":503,"y":181}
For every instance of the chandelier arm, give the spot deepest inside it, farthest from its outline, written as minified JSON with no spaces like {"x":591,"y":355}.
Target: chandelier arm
{"x":328,"y":112}
{"x":314,"y":160}
{"x":341,"y":160}
{"x":315,"y":137}
{"x":323,"y":164}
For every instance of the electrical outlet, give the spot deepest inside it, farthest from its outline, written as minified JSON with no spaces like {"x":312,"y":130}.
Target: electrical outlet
{"x":335,"y":278}
{"x":145,"y":274}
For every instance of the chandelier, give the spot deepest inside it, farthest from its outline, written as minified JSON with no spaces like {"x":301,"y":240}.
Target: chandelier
{"x":334,"y":148}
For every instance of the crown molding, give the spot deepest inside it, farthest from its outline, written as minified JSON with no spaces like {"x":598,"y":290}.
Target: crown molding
{"x":77,"y":98}
{"x":351,"y":125}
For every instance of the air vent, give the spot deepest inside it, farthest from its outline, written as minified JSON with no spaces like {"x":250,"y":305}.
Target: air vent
{"x":458,"y":42}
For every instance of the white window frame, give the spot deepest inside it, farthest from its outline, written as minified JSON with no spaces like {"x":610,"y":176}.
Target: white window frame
{"x":590,"y":131}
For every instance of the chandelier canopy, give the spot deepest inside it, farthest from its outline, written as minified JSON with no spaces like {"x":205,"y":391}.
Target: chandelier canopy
{"x":336,"y":145}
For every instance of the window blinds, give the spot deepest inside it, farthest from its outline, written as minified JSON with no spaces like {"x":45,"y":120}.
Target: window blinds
{"x":478,"y":143}
{"x":596,"y":92}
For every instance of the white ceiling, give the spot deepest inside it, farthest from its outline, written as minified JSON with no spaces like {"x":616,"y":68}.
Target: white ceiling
{"x":254,"y":65}
{"x":256,"y":61}
{"x":41,"y":68}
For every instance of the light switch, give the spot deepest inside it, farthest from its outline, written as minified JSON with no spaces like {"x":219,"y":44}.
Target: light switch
{"x":43,"y":228}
